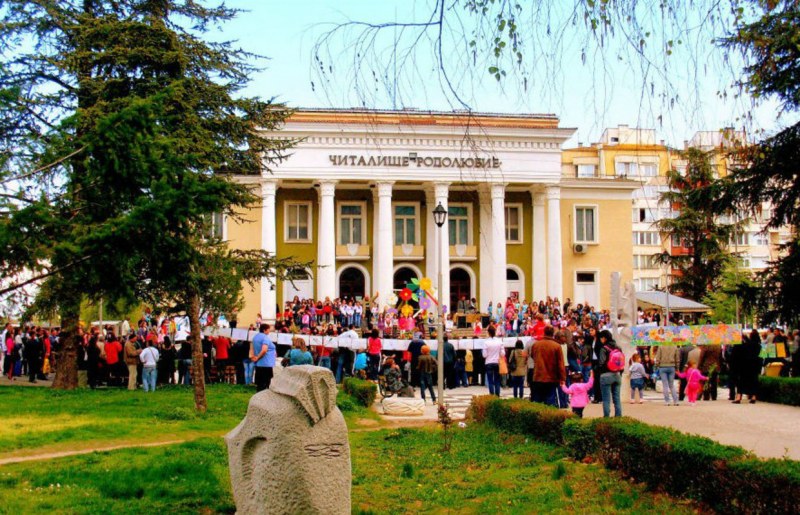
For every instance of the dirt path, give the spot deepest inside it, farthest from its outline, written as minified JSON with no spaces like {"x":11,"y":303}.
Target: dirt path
{"x":78,"y":452}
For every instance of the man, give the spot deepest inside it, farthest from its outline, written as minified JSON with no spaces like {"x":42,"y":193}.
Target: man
{"x":710,"y":362}
{"x":462,"y":304}
{"x":548,"y":368}
{"x":264,"y":355}
{"x":131,"y":356}
{"x":415,"y":349}
{"x":344,"y":365}
{"x":449,"y":364}
{"x":34,"y":354}
{"x":491,"y":354}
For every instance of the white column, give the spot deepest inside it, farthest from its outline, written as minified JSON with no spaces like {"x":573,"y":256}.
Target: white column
{"x":441,"y":190}
{"x":484,"y":286}
{"x":554,"y":272}
{"x":499,"y":288}
{"x":384,"y":257}
{"x":326,"y":242}
{"x":538,"y":240}
{"x":430,"y":236}
{"x":269,"y":243}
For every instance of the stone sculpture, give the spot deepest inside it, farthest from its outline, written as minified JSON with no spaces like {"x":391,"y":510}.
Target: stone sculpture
{"x":290,"y":454}
{"x":403,"y":407}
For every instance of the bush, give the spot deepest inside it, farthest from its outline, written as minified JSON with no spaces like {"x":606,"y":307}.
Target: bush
{"x":761,"y":486}
{"x":529,"y":418}
{"x":780,"y":390}
{"x":477,"y":408}
{"x":579,"y":438}
{"x":346,"y":402}
{"x":665,"y":459}
{"x":363,"y":391}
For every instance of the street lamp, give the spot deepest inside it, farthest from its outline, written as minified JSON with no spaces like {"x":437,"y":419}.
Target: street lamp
{"x":439,"y":217}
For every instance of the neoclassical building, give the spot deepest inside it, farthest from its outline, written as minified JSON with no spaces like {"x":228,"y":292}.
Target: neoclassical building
{"x":356,"y":196}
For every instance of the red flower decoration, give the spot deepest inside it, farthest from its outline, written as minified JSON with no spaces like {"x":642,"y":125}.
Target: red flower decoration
{"x":405,"y":294}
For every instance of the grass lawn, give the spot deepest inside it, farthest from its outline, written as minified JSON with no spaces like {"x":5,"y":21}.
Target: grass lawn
{"x":394,"y":471}
{"x":41,"y":420}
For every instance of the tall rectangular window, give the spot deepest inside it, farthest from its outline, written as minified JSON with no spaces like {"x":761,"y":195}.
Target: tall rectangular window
{"x":648,"y":170}
{"x":513,"y":223}
{"x":298,"y":221}
{"x":405,"y":225}
{"x":351,"y":224}
{"x":458,"y":224}
{"x":626,"y":168}
{"x":585,"y":224}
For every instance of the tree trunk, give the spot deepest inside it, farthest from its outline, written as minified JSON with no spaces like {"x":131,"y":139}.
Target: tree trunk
{"x":67,"y":360}
{"x":198,"y":369}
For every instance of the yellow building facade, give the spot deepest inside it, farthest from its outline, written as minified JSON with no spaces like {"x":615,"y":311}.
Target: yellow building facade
{"x":356,"y":195}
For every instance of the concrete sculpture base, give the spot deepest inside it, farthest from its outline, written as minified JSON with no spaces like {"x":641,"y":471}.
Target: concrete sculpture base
{"x":403,"y":407}
{"x":290,"y":454}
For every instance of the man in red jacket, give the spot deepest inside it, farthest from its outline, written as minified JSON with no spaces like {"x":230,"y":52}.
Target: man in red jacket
{"x":548,"y":368}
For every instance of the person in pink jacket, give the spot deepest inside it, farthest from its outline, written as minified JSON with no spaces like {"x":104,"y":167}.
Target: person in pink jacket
{"x":578,"y":392}
{"x":693,"y":381}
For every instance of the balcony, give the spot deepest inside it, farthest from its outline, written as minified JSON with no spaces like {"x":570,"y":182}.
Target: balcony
{"x":353,"y":251}
{"x":409,"y":252}
{"x":463,"y":253}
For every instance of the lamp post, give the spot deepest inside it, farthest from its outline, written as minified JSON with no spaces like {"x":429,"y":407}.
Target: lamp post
{"x":439,"y":217}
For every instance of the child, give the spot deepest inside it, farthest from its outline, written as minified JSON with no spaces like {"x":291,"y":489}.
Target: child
{"x":638,"y":375}
{"x":578,"y":392}
{"x":693,"y":378}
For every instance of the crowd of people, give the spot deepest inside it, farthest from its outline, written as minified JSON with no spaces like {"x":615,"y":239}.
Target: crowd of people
{"x":570,"y":360}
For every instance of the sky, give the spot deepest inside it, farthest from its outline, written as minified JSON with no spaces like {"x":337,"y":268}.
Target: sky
{"x":587,"y":93}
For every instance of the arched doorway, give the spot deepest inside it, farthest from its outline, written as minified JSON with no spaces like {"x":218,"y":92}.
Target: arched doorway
{"x":460,"y":285}
{"x":403,"y":276}
{"x":515,"y":289}
{"x":352,"y":283}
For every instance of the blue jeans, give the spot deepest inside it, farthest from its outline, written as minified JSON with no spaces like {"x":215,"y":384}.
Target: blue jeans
{"x":426,"y":381}
{"x":586,"y":370}
{"x":187,"y":368}
{"x":325,"y":362}
{"x":668,"y":382}
{"x":518,"y":384}
{"x":610,"y":384}
{"x":493,"y":378}
{"x":149,"y":375}
{"x":461,"y":378}
{"x":637,"y":384}
{"x":249,"y":370}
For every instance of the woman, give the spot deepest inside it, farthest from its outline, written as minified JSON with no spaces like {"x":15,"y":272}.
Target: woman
{"x":520,"y":357}
{"x":748,"y":362}
{"x":610,"y":380}
{"x":374,"y":348}
{"x":11,"y":353}
{"x":299,"y":354}
{"x":394,"y":381}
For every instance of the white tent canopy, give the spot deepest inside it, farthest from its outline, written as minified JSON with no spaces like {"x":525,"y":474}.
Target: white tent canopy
{"x":658,"y":300}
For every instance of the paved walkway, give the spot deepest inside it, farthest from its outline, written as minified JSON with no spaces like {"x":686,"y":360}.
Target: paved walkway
{"x":768,"y":430}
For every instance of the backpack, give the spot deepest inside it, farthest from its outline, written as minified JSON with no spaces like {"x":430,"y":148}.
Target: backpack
{"x":616,"y":360}
{"x":512,"y":361}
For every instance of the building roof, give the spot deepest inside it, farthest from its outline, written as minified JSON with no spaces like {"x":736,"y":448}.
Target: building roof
{"x":658,"y":299}
{"x":419,"y":117}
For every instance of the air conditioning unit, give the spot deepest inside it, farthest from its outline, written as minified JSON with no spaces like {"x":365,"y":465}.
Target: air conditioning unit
{"x":579,"y":248}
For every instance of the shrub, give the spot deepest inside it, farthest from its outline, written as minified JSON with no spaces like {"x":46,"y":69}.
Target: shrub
{"x":761,"y":486}
{"x":780,"y":390}
{"x":347,"y":402}
{"x":363,"y":391}
{"x":679,"y":464}
{"x":477,"y":408}
{"x":529,"y":418}
{"x":579,"y":437}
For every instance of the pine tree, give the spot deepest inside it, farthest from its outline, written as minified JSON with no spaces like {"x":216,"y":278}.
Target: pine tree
{"x":125,"y":128}
{"x":696,"y":226}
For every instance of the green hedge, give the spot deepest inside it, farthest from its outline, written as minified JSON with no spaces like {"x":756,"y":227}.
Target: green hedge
{"x":665,"y":459}
{"x":780,"y":390}
{"x":727,"y":478}
{"x":538,"y":420}
{"x":363,"y":391}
